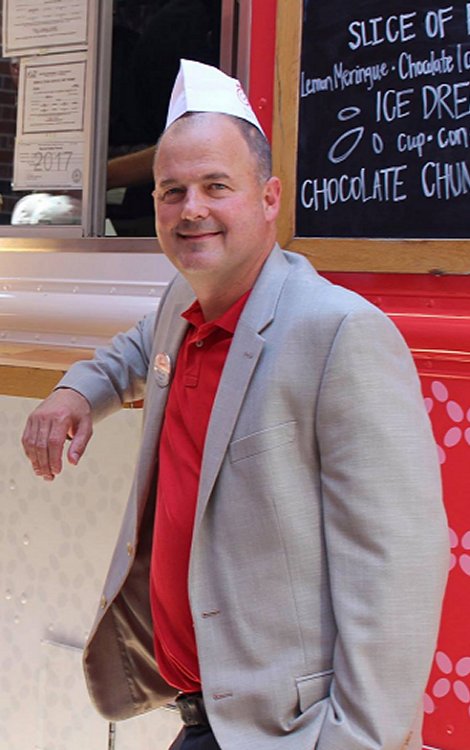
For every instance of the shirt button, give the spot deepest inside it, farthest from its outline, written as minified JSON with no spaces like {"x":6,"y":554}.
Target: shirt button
{"x":130,"y":549}
{"x":200,"y":343}
{"x":104,"y":602}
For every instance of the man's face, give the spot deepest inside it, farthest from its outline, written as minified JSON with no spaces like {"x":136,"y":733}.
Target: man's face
{"x":215,"y":219}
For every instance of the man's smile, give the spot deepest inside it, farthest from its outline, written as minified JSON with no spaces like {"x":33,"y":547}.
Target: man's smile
{"x":198,"y":234}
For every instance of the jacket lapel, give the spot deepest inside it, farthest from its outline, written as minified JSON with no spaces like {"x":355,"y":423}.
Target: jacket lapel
{"x":170,"y":330}
{"x":157,"y":393}
{"x":241,"y":362}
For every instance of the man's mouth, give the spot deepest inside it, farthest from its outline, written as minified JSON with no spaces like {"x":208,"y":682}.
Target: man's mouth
{"x":198,"y":235}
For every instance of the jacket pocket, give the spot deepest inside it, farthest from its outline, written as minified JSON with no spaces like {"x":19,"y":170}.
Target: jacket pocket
{"x":313,"y":688}
{"x":265,"y":440}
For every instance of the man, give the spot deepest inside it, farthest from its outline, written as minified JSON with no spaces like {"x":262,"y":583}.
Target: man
{"x":299,"y":542}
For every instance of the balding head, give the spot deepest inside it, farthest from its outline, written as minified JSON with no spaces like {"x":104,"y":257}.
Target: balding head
{"x":256,"y":141}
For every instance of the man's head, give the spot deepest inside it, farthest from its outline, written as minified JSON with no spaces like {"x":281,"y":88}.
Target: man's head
{"x":215,"y":200}
{"x":255,"y":139}
{"x":259,"y":146}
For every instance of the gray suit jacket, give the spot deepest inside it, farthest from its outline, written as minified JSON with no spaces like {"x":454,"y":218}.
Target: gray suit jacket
{"x":320,"y":550}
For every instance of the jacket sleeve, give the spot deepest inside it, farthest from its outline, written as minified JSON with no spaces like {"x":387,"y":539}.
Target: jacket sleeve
{"x":117,"y":373}
{"x":386,"y":536}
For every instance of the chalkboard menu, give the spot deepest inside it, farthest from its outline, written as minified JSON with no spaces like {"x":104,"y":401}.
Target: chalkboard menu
{"x":384,"y":120}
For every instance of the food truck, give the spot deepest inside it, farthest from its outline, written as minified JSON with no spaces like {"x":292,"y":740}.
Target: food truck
{"x":368,"y":111}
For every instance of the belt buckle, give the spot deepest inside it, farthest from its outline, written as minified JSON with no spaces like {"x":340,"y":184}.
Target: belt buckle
{"x":190,"y":710}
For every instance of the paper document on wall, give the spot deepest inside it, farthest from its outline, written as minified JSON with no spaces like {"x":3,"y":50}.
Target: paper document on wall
{"x":49,"y":147}
{"x":55,"y":165}
{"x":31,"y":26}
{"x":51,"y":94}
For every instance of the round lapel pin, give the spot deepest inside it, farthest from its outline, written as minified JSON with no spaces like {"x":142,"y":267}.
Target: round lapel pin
{"x":162,"y":369}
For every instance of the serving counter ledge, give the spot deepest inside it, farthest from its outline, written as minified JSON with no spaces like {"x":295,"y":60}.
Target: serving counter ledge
{"x":55,"y":309}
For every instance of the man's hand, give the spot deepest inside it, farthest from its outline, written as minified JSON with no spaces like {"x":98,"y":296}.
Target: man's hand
{"x":64,"y":414}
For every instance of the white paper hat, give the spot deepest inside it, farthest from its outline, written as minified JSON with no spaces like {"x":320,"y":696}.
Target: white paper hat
{"x":203,"y":88}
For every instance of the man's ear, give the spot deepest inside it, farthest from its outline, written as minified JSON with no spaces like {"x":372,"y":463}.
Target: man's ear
{"x":272,"y":198}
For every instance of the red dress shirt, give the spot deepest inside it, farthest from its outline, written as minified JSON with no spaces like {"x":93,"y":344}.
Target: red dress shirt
{"x":199,"y":365}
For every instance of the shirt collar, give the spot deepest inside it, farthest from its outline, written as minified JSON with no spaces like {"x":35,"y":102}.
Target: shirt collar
{"x":227,"y":321}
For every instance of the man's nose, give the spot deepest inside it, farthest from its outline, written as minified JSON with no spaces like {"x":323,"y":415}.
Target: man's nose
{"x":194,"y":205}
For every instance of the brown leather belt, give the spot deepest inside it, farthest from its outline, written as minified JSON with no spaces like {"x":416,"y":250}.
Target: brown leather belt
{"x":192,"y":709}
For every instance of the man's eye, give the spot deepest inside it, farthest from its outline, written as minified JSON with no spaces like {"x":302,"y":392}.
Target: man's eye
{"x":171,"y":195}
{"x":217,"y":186}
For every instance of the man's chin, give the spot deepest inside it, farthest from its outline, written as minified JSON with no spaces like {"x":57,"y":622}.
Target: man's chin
{"x":197,"y":261}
